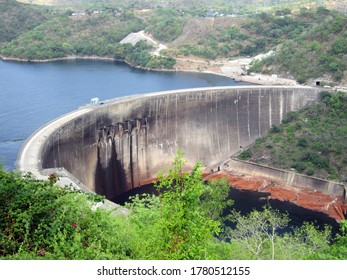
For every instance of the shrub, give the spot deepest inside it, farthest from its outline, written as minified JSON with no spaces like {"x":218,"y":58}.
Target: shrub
{"x":299,"y":166}
{"x":291,"y":116}
{"x":303,"y":142}
{"x":309,"y":172}
{"x":246,"y":154}
{"x":275,"y":129}
{"x":269,"y":145}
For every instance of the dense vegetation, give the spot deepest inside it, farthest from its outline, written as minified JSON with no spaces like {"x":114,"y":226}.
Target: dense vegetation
{"x":166,"y":25}
{"x":311,"y":141}
{"x":316,"y":46}
{"x":64,"y":36}
{"x":39,"y":220}
{"x":17,"y":18}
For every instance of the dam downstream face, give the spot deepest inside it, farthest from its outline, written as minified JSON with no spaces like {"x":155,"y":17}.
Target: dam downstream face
{"x":118,"y":146}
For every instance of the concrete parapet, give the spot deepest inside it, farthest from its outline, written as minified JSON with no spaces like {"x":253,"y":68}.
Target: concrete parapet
{"x":287,"y":177}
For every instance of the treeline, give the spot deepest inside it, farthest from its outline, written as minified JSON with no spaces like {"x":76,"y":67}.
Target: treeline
{"x":40,"y":220}
{"x":311,"y":141}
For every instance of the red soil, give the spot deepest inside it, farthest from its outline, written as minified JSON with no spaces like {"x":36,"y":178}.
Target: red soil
{"x":306,"y":198}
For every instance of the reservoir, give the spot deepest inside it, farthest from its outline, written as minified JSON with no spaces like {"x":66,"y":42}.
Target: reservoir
{"x":33,"y":94}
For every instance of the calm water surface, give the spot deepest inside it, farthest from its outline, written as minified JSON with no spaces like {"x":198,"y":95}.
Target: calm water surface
{"x":32,"y":94}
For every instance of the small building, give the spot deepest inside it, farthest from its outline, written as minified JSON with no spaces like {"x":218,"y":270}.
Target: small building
{"x":95,"y":101}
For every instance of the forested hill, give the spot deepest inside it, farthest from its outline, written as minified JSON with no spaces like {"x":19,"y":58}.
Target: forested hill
{"x":319,"y":50}
{"x":56,"y":33}
{"x":307,"y":43}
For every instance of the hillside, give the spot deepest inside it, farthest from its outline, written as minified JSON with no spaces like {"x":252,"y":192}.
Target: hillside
{"x":66,"y":35}
{"x":17,"y":18}
{"x":319,"y":51}
{"x":307,"y":44}
{"x":312,"y":141}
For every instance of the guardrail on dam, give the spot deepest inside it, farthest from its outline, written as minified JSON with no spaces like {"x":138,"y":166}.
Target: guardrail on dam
{"x":122,"y":144}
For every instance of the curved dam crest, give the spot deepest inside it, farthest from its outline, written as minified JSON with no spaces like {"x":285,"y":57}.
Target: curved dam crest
{"x":122,"y":144}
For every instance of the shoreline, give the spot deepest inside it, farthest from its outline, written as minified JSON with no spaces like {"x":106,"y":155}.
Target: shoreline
{"x":69,"y":58}
{"x":253,"y":78}
{"x":237,"y":78}
{"x":16,"y":59}
{"x":100,"y":58}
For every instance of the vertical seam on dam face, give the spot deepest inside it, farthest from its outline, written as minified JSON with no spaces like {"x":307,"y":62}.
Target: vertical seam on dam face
{"x":281,"y":106}
{"x":270,"y":110}
{"x":237,"y":120}
{"x":259,"y":110}
{"x":248,"y":119}
{"x":117,"y":146}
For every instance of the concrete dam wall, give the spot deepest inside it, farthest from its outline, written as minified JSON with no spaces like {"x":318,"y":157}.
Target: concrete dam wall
{"x":122,"y":144}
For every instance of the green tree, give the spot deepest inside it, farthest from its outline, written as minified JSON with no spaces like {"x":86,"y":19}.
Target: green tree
{"x":337,"y":250}
{"x":257,"y":229}
{"x":183,"y":220}
{"x":187,"y":227}
{"x":340,"y":46}
{"x":305,"y":242}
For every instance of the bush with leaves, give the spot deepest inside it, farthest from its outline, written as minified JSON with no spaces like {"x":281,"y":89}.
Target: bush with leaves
{"x":41,"y":220}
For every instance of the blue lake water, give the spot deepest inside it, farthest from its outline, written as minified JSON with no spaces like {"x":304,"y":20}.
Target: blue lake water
{"x":32,"y":94}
